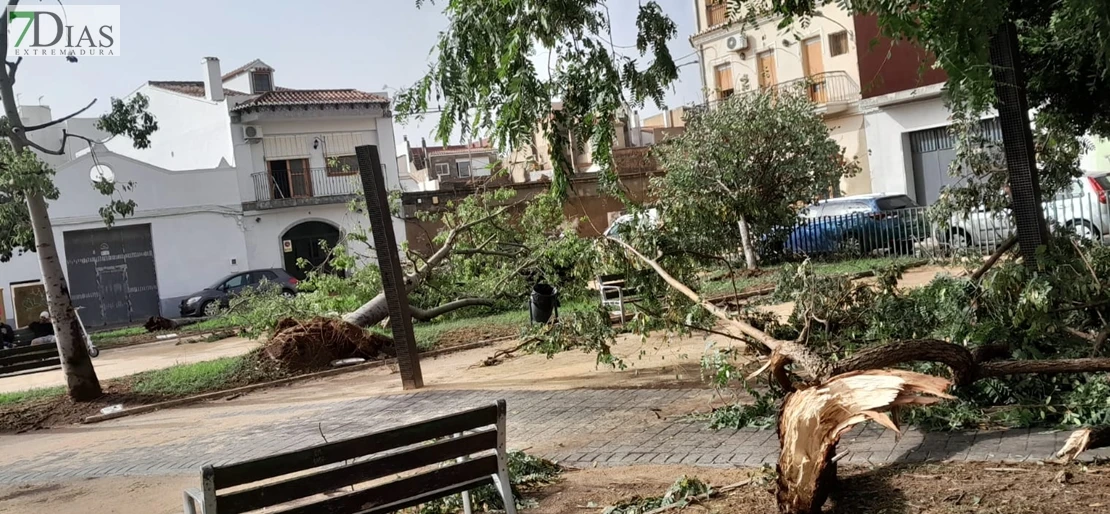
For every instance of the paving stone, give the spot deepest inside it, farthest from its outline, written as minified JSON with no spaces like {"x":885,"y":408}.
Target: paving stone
{"x":573,"y":426}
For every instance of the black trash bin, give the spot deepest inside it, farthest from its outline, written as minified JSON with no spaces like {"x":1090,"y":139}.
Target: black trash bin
{"x":545,"y":302}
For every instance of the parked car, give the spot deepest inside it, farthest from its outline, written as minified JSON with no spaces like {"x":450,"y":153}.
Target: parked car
{"x":1081,"y":208}
{"x":209,"y":301}
{"x":863,"y":223}
{"x":649,"y":217}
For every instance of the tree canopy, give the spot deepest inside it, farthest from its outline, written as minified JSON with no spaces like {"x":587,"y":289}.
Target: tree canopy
{"x":483,"y":75}
{"x":754,"y":158}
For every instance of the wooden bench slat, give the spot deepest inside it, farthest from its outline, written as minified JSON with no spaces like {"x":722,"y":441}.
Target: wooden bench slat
{"x":434,"y":495}
{"x":330,"y":453}
{"x":425,"y":485}
{"x":302,"y":487}
{"x":28,"y":349}
{"x":32,"y":365}
{"x":28,"y":357}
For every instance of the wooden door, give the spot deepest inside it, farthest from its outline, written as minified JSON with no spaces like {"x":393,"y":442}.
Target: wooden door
{"x":814,"y":67}
{"x":766,"y":66}
{"x":300,"y":178}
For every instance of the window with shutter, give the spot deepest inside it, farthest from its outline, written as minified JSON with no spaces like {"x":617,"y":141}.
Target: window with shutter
{"x":724,"y":80}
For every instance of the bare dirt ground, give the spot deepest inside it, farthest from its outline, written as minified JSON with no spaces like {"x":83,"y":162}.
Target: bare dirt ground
{"x":114,"y":363}
{"x":897,"y":489}
{"x":916,"y":277}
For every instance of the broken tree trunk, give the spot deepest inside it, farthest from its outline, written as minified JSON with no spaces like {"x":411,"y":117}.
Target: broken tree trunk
{"x":812,"y":420}
{"x":1087,"y":438}
{"x":376,"y":310}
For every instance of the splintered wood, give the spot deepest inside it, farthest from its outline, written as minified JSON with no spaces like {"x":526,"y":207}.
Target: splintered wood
{"x":812,"y":421}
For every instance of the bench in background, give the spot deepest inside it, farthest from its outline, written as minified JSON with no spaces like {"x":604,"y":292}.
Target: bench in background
{"x":25,"y":358}
{"x":473,"y":440}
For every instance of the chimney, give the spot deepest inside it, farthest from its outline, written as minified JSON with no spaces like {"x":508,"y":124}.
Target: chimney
{"x":213,"y":79}
{"x":668,"y":120}
{"x":424,"y":145}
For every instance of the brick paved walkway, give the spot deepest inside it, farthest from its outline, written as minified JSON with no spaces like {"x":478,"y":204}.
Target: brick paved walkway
{"x":576,"y":427}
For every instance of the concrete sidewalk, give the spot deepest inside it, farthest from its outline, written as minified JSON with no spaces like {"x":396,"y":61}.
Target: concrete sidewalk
{"x":577,"y":427}
{"x":115,"y":363}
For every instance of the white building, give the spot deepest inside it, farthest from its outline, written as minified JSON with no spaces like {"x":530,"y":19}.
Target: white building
{"x":242,"y":174}
{"x":820,"y":55}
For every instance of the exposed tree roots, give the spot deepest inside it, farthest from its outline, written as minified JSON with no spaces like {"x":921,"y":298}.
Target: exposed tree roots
{"x":312,"y":345}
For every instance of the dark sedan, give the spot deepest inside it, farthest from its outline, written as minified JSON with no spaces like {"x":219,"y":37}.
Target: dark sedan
{"x":209,"y":301}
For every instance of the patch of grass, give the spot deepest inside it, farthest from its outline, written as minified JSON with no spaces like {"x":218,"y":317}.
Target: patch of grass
{"x":428,"y":334}
{"x":767,"y":278}
{"x":30,"y":394}
{"x":188,"y":379}
{"x":98,"y":337}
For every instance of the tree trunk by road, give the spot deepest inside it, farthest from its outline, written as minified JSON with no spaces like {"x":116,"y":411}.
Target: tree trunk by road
{"x":81,"y":381}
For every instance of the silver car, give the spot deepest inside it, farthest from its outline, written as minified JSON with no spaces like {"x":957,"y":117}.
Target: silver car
{"x":1081,"y":208}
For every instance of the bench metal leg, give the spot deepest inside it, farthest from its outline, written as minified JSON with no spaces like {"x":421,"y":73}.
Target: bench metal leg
{"x":465,"y":494}
{"x":192,"y":496}
{"x":501,"y":479}
{"x":466,"y":502}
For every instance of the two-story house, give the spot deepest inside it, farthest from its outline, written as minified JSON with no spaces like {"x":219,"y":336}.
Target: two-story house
{"x":242,"y":174}
{"x":431,"y":168}
{"x":820,"y":56}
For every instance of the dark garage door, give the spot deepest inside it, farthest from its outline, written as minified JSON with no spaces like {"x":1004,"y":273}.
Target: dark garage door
{"x":932,"y":151}
{"x":111,"y":274}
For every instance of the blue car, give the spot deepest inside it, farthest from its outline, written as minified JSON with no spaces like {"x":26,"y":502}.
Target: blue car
{"x":861,"y":223}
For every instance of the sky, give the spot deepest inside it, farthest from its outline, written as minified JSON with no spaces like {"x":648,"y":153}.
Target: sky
{"x":370,"y":45}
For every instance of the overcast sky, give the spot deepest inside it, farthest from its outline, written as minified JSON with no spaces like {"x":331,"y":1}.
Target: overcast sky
{"x":371,"y":45}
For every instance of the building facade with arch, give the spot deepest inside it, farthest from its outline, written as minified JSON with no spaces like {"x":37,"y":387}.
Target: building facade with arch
{"x":242,"y":174}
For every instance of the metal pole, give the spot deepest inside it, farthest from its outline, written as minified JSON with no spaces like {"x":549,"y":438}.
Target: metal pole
{"x":1017,"y":139}
{"x":393,"y":278}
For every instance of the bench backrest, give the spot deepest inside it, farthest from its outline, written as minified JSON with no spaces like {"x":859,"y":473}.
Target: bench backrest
{"x":314,"y":469}
{"x":14,"y":360}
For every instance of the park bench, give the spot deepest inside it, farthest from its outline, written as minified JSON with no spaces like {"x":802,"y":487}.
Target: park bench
{"x":24,"y":358}
{"x":316,"y":479}
{"x":615,"y":294}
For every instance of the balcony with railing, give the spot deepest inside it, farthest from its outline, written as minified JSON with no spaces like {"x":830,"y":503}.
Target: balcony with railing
{"x":310,"y":186}
{"x":828,"y":89}
{"x":831,"y":91}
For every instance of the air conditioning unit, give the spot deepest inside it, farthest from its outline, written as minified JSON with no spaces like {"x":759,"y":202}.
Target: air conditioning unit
{"x":737,"y":43}
{"x":252,"y":132}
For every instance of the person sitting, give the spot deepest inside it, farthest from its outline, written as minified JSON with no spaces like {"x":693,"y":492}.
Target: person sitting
{"x":43,"y":329}
{"x":7,"y":336}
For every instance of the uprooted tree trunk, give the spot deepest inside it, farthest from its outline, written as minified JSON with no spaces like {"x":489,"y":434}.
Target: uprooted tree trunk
{"x":377,"y":309}
{"x":813,"y":414}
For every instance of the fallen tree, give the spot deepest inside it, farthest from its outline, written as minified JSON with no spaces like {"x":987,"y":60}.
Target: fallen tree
{"x":826,"y":396}
{"x":490,"y":251}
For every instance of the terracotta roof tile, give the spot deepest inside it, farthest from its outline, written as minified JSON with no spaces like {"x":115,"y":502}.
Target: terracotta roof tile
{"x":191,"y":88}
{"x":286,"y":97}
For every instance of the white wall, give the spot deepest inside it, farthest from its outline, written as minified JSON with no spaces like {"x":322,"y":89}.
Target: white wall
{"x":193,"y":216}
{"x":888,"y":141}
{"x":240,"y":83}
{"x":193,"y":133}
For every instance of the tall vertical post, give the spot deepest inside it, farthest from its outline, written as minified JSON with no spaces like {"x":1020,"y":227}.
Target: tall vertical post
{"x":393,"y":278}
{"x":1017,"y":140}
